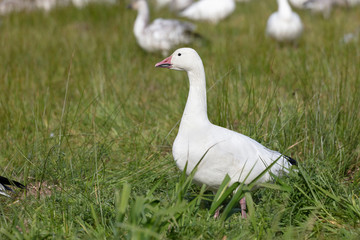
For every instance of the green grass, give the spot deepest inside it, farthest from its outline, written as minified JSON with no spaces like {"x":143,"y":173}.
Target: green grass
{"x":85,"y":115}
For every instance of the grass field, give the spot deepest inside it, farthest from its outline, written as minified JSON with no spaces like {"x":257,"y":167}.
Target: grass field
{"x":87,"y":123}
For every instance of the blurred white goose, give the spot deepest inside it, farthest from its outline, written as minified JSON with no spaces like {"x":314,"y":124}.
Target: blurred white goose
{"x":323,"y":6}
{"x":4,"y":182}
{"x":174,"y":5}
{"x":162,"y":34}
{"x":284,"y":25}
{"x":209,"y":10}
{"x":178,"y":5}
{"x":353,"y":2}
{"x":226,"y":151}
{"x":352,"y":36}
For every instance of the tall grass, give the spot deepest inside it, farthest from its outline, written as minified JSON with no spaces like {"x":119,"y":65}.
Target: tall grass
{"x":87,"y":123}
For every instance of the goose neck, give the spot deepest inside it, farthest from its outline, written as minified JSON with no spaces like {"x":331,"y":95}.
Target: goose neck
{"x":284,"y":7}
{"x":196,"y":106}
{"x":142,"y":19}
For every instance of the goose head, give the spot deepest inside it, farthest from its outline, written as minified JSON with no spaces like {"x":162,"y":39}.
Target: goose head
{"x":183,"y":59}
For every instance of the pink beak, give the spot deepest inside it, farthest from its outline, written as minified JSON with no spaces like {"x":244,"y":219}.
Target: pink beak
{"x":166,"y":63}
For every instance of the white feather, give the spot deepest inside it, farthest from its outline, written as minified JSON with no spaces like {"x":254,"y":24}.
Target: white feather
{"x":2,"y":191}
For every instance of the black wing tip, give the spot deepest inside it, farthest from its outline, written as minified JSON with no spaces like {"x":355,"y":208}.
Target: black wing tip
{"x":291,"y":160}
{"x":19,"y":185}
{"x":6,"y":181}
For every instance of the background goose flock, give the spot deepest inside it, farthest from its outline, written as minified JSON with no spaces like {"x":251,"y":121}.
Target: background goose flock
{"x":97,"y":143}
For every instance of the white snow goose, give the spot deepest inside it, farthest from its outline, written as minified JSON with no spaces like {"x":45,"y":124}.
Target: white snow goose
{"x":284,"y":25}
{"x":226,"y":151}
{"x":162,"y":34}
{"x":324,"y":6}
{"x":209,"y":10}
{"x":4,"y":186}
{"x":178,"y":5}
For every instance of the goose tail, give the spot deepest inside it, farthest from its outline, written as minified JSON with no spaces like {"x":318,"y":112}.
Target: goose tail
{"x":4,"y":182}
{"x":291,"y":160}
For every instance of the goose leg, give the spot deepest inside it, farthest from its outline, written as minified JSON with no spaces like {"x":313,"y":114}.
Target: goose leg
{"x":243,"y":207}
{"x":217,"y":213}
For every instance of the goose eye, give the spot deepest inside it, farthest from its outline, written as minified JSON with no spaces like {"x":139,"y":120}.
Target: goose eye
{"x":179,"y":54}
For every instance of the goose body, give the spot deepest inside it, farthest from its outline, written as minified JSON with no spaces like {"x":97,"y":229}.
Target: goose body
{"x":284,"y":25}
{"x":324,"y":6}
{"x":4,"y":186}
{"x":174,"y":5}
{"x":222,"y":151}
{"x":225,"y":151}
{"x":162,"y":34}
{"x":209,"y":10}
{"x":178,"y":5}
